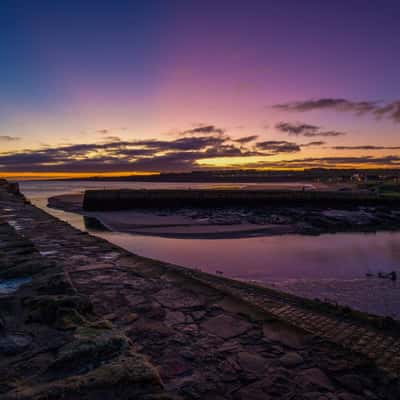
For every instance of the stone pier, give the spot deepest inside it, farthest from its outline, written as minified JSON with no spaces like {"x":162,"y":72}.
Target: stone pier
{"x":81,"y":318}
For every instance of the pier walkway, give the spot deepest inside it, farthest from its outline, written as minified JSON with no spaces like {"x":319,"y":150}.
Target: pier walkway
{"x":210,"y":337}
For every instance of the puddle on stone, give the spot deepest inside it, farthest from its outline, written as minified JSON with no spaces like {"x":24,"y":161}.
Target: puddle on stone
{"x":11,"y":285}
{"x":15,"y":225}
{"x":14,"y":343}
{"x":111,"y":256}
{"x":48,"y":253}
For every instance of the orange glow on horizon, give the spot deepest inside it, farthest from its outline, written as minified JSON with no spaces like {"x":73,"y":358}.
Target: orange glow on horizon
{"x":68,"y":175}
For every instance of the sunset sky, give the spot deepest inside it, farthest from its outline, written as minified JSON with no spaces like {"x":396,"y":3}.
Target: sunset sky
{"x":135,"y":86}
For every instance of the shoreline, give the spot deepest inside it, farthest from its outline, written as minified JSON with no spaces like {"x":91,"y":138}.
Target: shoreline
{"x":368,"y":294}
{"x":226,"y":224}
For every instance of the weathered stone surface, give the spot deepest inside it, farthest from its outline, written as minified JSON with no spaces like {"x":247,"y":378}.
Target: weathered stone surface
{"x":175,"y":366}
{"x":174,"y":318}
{"x":225,"y":326}
{"x":317,"y":378}
{"x":276,"y":331}
{"x":201,"y":332}
{"x":14,"y":343}
{"x":291,"y":360}
{"x":177,"y":298}
{"x":251,"y":362}
{"x":352,"y":382}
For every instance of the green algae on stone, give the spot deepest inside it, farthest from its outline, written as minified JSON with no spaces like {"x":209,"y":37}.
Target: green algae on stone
{"x":26,"y":268}
{"x":129,"y":376}
{"x":59,"y":310}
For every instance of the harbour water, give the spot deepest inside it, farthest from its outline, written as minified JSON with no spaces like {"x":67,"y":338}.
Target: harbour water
{"x":328,"y":266}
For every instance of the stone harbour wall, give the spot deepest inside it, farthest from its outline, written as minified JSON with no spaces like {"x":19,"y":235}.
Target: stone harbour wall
{"x":82,"y":318}
{"x":122,"y":199}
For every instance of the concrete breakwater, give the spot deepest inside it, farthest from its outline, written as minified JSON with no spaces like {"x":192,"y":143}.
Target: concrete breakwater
{"x":110,"y":324}
{"x":122,"y":199}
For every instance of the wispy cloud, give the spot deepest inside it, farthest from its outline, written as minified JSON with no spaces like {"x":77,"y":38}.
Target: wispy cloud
{"x":390,"y":161}
{"x":366,"y":147}
{"x":114,"y":154}
{"x":316,"y":143}
{"x":390,"y":111}
{"x":5,"y":138}
{"x":278,"y":146}
{"x":246,"y":139}
{"x":204,"y":129}
{"x":301,"y":129}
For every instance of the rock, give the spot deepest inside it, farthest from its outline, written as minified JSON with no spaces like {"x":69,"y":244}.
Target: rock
{"x":56,"y":284}
{"x":174,"y":317}
{"x":26,"y":268}
{"x":289,"y":336}
{"x":175,"y":366}
{"x":14,"y":343}
{"x":127,"y":376}
{"x":177,"y":298}
{"x":130,"y":317}
{"x":250,"y":362}
{"x":226,"y":326}
{"x":197,"y":315}
{"x":291,"y":360}
{"x":369,"y":395}
{"x":150,"y":328}
{"x":254,"y":391}
{"x":62,"y":311}
{"x":351,"y":382}
{"x":191,"y":329}
{"x":188,"y":355}
{"x":348,"y":396}
{"x":317,"y":378}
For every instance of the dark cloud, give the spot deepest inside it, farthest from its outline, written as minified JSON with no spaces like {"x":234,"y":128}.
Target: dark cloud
{"x":366,"y":147}
{"x":5,"y":138}
{"x":181,"y":154}
{"x":328,"y":103}
{"x":306,"y":130}
{"x":119,"y":155}
{"x":246,"y":139}
{"x":112,"y":139}
{"x":278,"y":146}
{"x":297,"y":128}
{"x":328,"y":162}
{"x":389,"y":111}
{"x":316,"y":143}
{"x":103,"y":131}
{"x":204,"y":129}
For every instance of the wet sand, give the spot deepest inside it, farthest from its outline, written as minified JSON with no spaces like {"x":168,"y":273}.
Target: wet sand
{"x":163,"y":223}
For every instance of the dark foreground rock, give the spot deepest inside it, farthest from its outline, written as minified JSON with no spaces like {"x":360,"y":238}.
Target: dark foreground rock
{"x":99,"y":323}
{"x":53,"y":345}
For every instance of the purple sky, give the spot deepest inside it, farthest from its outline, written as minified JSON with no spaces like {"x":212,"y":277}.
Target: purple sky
{"x":125,"y":86}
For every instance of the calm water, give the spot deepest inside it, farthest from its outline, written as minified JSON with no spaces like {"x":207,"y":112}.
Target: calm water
{"x":340,"y":256}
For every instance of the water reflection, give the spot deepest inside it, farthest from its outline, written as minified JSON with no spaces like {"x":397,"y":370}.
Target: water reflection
{"x":341,"y":256}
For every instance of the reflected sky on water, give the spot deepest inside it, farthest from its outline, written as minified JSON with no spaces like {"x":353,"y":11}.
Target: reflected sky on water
{"x":341,"y":256}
